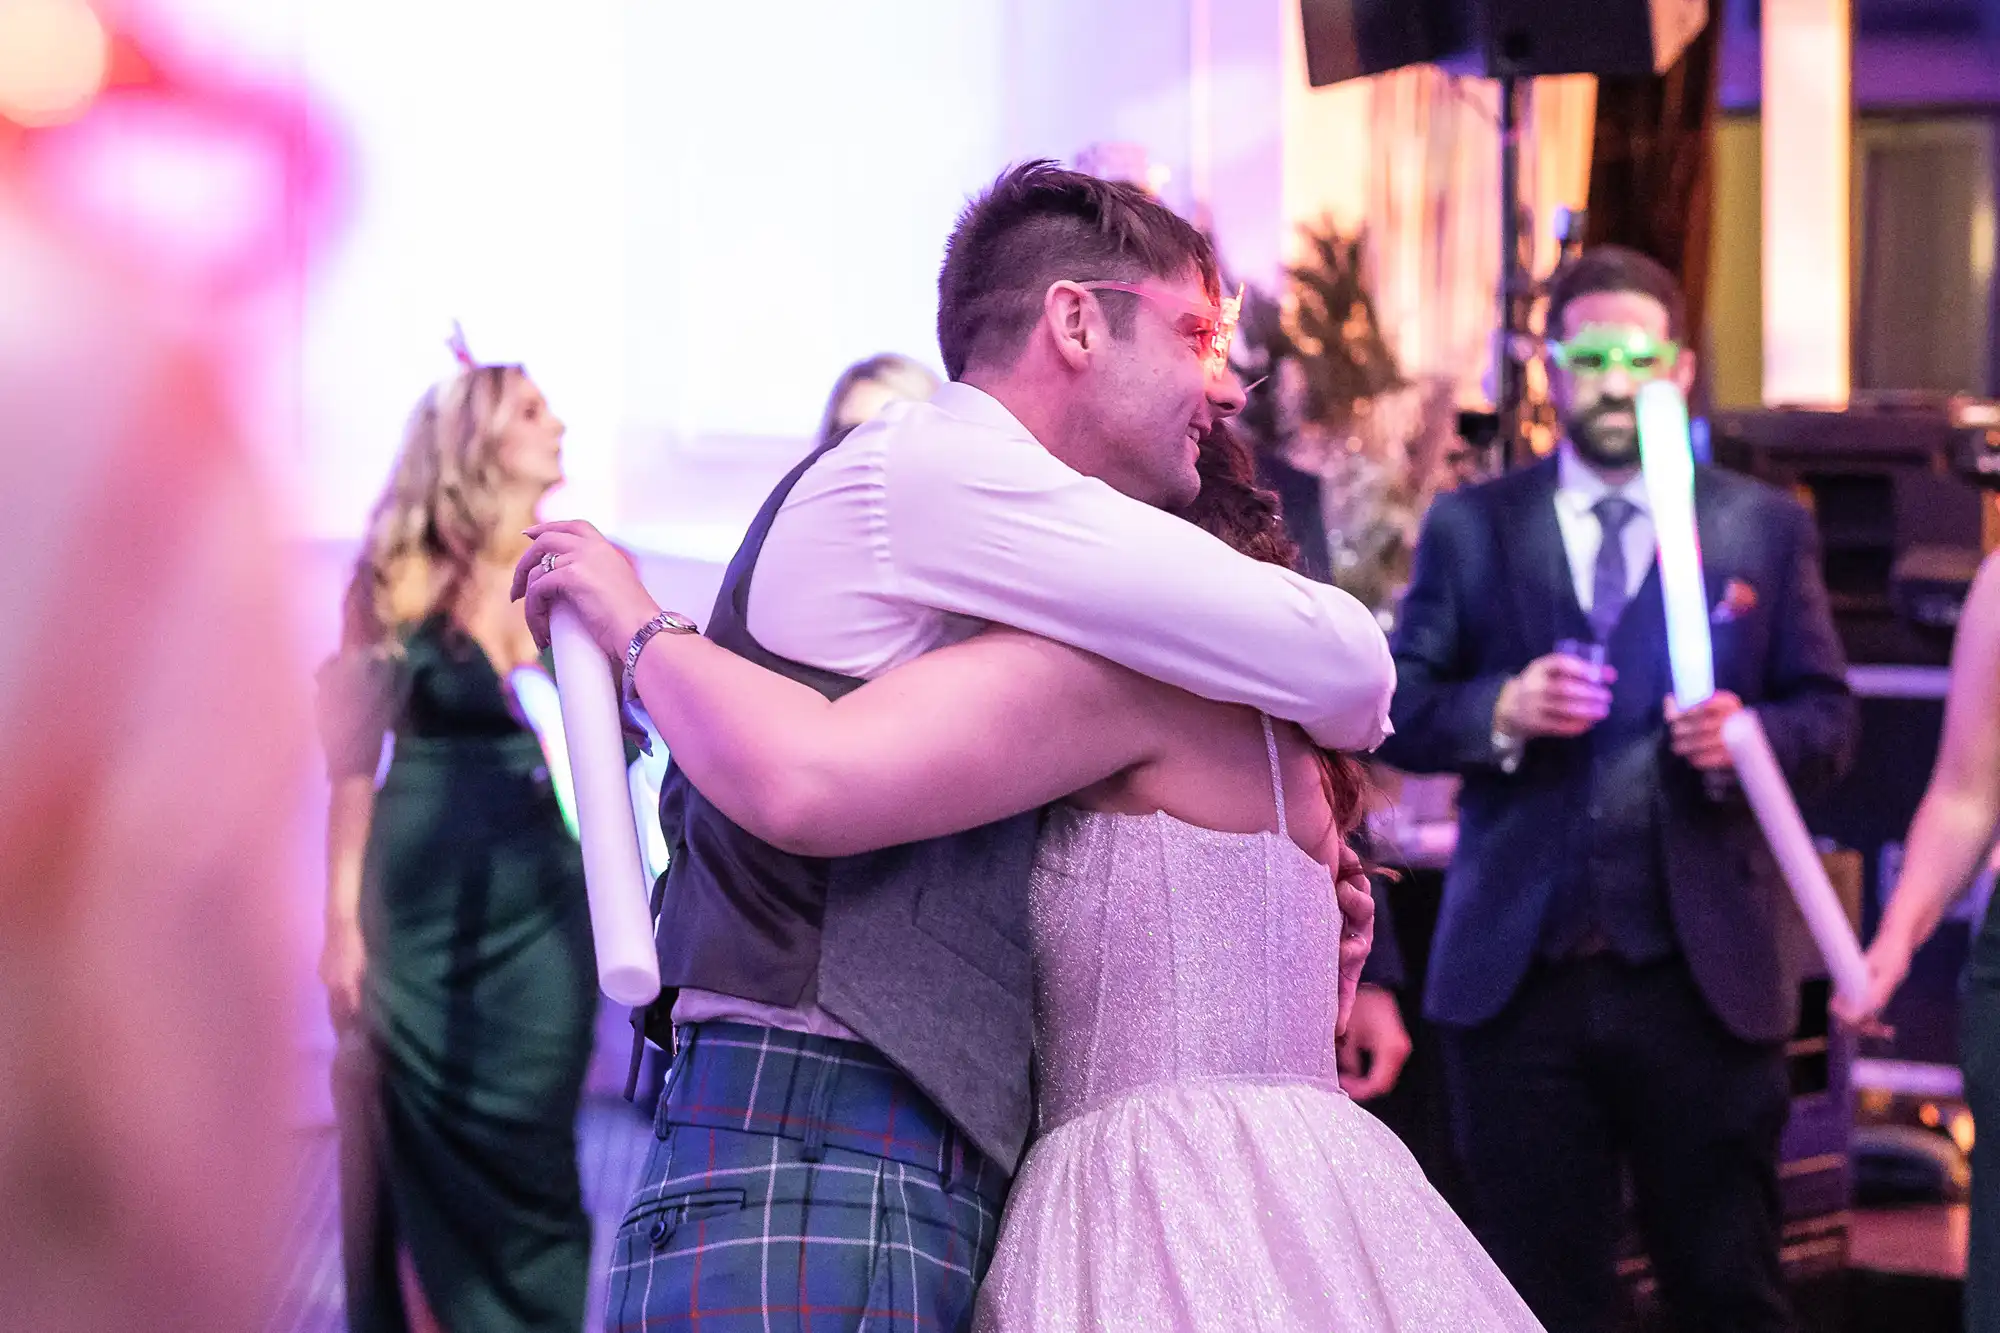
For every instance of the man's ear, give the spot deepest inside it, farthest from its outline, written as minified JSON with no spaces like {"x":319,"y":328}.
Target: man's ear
{"x":1684,"y":370}
{"x":1075,"y":322}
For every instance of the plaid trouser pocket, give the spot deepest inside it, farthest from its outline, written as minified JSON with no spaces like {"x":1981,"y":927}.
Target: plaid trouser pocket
{"x":790,"y":1229}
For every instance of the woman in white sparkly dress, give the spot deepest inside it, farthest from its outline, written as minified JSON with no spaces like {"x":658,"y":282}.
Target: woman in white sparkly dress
{"x":1195,"y":1166}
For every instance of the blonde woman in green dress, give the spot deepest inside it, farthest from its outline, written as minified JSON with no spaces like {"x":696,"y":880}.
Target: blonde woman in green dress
{"x":458,"y":958}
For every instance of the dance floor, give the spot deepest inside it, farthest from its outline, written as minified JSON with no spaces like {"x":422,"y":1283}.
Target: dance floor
{"x":1904,"y":1277}
{"x":612,"y":1138}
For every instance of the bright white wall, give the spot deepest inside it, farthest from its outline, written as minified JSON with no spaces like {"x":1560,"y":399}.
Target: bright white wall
{"x":1246,"y":123}
{"x":484,"y":146}
{"x":686,"y":219}
{"x":791,"y":170}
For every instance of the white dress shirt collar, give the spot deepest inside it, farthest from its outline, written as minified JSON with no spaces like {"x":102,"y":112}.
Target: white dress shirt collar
{"x":1579,"y":487}
{"x":977,"y":407}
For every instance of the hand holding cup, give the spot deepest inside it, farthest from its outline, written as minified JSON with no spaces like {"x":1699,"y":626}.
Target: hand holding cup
{"x":1563,"y":693}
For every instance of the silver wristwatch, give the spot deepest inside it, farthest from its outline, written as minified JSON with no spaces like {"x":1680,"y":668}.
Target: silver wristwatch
{"x":670,"y":622}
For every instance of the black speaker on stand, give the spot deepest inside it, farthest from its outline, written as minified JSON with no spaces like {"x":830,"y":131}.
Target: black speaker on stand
{"x":1509,"y":41}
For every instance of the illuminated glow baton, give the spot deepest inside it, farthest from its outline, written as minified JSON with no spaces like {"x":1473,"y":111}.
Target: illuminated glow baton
{"x":1668,"y":461}
{"x":536,"y":694}
{"x":540,"y":704}
{"x":628,"y":968}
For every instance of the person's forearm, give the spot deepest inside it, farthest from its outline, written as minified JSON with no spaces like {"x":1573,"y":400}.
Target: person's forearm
{"x":1237,"y":632}
{"x":739,"y":731}
{"x":349,"y":812}
{"x":1948,"y":841}
{"x":1013,"y":537}
{"x":1359,"y":683}
{"x":960,"y":737}
{"x":1955,"y":824}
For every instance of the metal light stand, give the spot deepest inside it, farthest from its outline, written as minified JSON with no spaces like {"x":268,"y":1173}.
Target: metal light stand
{"x":1516,"y":296}
{"x":1519,"y":289}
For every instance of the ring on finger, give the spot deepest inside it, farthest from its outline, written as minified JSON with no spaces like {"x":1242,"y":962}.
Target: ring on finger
{"x":548,"y":563}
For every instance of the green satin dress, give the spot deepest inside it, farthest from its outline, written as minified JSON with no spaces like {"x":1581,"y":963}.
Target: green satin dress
{"x":458,"y":1092}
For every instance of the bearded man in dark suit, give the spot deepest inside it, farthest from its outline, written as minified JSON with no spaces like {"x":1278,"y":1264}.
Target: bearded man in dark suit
{"x":1607,"y":974}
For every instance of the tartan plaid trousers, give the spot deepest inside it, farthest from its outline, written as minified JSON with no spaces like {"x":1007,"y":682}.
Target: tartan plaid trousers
{"x":801,"y":1183}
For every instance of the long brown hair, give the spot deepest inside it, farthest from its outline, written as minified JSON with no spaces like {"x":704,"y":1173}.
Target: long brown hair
{"x":1233,"y":507}
{"x":437,"y":513}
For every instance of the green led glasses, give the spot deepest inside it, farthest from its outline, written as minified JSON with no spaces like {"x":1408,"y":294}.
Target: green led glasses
{"x":1596,"y":348}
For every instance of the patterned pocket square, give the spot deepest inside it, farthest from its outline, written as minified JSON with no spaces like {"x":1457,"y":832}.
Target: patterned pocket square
{"x":1738,"y":600}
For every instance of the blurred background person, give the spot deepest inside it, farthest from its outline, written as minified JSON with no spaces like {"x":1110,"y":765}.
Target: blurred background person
{"x":1949,"y":841}
{"x":1607,"y":976}
{"x":866,"y":387}
{"x":458,"y":960}
{"x":156,"y":736}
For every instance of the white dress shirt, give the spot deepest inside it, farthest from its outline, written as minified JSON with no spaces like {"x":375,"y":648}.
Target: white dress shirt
{"x":1578,"y":488}
{"x":942,"y":516}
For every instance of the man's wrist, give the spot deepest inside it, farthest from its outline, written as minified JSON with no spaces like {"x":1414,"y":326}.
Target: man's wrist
{"x":1508,"y":744}
{"x":660,"y":622}
{"x":1503,"y":711}
{"x":628,"y":629}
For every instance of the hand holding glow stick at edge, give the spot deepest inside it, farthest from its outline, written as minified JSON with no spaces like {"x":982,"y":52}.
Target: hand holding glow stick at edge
{"x":628,"y":968}
{"x":1668,"y":463}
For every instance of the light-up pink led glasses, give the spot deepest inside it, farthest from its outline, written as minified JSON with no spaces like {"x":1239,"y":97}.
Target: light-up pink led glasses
{"x":1218,"y":323}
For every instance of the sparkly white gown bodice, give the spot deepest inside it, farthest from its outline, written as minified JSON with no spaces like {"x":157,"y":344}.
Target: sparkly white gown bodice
{"x":1167,"y":953}
{"x":1195,"y":1165}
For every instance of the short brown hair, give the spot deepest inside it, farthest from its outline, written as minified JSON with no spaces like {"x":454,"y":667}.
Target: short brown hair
{"x":1038,"y":224}
{"x":1614,"y":268}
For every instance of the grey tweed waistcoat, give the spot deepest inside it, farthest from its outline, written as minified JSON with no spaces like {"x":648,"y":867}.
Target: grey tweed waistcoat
{"x":921,"y":949}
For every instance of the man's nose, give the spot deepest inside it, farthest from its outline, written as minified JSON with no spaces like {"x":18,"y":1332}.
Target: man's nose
{"x":1225,"y":392}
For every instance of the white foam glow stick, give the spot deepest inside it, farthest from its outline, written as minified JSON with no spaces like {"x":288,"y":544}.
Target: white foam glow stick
{"x":628,"y":968}
{"x":536,"y":694}
{"x":1667,"y":460}
{"x":1771,"y":799}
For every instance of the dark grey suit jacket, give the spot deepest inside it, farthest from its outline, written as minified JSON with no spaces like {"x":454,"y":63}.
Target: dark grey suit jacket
{"x":1490,"y":589}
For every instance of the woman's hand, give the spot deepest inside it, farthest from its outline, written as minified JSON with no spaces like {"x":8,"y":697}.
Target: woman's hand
{"x":1357,"y":928}
{"x":343,"y":964}
{"x":1375,"y":1046}
{"x":574,"y":563}
{"x":1888,"y":960}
